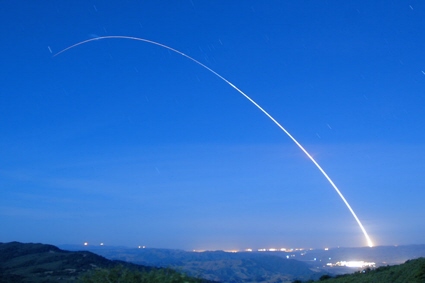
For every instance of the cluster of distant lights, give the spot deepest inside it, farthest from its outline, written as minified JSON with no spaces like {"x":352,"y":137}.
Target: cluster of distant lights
{"x":102,"y":244}
{"x":236,"y":251}
{"x":264,"y":250}
{"x":278,"y":250}
{"x":87,"y":243}
{"x":357,"y":264}
{"x":339,"y":263}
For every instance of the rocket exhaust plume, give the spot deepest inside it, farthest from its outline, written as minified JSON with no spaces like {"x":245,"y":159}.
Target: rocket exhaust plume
{"x":368,"y":240}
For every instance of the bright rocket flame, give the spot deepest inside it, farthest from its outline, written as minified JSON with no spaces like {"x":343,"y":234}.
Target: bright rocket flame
{"x":369,"y":241}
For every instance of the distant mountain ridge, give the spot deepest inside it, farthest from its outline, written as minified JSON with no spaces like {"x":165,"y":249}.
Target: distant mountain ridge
{"x":217,"y":265}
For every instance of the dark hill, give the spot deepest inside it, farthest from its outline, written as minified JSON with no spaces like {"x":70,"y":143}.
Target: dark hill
{"x":46,"y":263}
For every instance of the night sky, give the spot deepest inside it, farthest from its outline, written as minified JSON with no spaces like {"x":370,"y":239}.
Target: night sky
{"x":128,"y":143}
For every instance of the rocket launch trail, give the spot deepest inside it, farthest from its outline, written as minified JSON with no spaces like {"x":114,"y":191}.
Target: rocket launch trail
{"x":368,"y":240}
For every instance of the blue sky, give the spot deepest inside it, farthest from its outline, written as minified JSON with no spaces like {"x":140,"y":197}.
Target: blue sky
{"x":127,"y":143}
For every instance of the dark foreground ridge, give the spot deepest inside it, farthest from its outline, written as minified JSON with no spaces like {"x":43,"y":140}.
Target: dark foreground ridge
{"x":30,"y":262}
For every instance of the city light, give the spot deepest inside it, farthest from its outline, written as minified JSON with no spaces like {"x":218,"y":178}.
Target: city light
{"x":354,"y":264}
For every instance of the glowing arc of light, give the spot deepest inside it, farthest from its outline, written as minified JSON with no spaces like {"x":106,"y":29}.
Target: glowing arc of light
{"x":369,"y":241}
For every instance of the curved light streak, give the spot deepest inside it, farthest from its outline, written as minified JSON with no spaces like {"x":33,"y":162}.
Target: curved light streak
{"x":369,"y":241}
